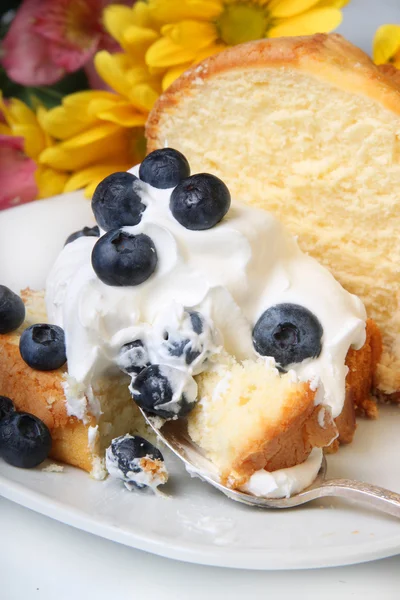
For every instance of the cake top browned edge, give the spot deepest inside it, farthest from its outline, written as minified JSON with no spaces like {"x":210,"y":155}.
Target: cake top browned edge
{"x":328,"y":57}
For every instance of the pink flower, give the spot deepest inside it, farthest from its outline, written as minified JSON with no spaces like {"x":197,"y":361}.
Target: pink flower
{"x":17,"y":173}
{"x":49,"y":38}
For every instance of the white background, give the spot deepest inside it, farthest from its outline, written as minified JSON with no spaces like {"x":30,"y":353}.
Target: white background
{"x":43,"y":559}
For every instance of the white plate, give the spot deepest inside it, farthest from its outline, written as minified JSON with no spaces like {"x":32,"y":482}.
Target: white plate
{"x":198,"y":524}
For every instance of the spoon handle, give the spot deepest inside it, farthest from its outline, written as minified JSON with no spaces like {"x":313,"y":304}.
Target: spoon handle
{"x":372,"y":495}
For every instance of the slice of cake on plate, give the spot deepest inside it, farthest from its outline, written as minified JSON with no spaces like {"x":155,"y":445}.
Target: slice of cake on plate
{"x":208,"y":309}
{"x":307,"y":128}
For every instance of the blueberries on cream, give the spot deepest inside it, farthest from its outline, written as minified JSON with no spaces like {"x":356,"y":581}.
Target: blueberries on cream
{"x":210,"y":274}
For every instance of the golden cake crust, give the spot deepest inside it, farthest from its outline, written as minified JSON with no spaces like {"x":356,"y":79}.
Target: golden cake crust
{"x":329,"y":57}
{"x":41,"y":393}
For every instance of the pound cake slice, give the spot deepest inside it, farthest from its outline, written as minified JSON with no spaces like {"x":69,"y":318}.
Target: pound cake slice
{"x":307,"y":128}
{"x":250,"y":417}
{"x":80,"y":443}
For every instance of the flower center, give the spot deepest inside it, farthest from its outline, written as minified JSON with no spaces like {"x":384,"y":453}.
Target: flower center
{"x":242,"y":23}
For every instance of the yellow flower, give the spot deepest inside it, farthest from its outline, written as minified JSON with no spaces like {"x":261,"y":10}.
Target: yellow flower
{"x":101,"y":132}
{"x":172,"y":35}
{"x":386,"y":46}
{"x":94,"y":133}
{"x":21,"y":121}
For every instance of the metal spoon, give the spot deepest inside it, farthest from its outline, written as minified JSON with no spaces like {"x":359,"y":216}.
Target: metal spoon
{"x":174,"y":434}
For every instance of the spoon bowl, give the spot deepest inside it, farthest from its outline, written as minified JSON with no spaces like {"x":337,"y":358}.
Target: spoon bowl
{"x":175,"y":436}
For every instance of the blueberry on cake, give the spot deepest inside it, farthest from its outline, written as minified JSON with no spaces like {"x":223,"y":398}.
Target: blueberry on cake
{"x":189,"y":305}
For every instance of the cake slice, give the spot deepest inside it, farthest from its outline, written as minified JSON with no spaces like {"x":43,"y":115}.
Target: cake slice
{"x":307,"y":128}
{"x":78,"y":442}
{"x":250,"y":417}
{"x":202,"y":300}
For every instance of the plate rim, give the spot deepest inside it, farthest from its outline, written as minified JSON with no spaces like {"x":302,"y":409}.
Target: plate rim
{"x":257,"y":559}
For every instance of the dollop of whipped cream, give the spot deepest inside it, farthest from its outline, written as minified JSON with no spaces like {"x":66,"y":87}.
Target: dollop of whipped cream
{"x":229,"y":274}
{"x":284,"y":483}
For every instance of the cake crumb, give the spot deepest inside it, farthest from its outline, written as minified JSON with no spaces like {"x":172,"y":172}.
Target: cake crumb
{"x":355,"y":531}
{"x":53,"y":468}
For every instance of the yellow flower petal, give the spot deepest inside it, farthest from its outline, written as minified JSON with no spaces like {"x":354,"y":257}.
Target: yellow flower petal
{"x":109,"y":70}
{"x":79,"y":100}
{"x":143,"y":96}
{"x":116,"y":18}
{"x":123,"y":114}
{"x":173,"y":11}
{"x":93,"y":174}
{"x":165,"y":53}
{"x":59,"y":122}
{"x":155,"y":71}
{"x":320,"y":20}
{"x":49,"y":181}
{"x":136,"y":40}
{"x":290,"y":8}
{"x":97,"y":106}
{"x":191,"y":34}
{"x":21,"y":113}
{"x":332,"y":3}
{"x":386,"y":43}
{"x":173,"y":74}
{"x":101,"y":132}
{"x":87,"y":149}
{"x":73,"y":116}
{"x":34,"y":140}
{"x":41,"y":114}
{"x":142,"y":15}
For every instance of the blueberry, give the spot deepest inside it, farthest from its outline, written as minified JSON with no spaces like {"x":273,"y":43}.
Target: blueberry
{"x":200,"y":201}
{"x":6,"y":407}
{"x":164,"y":168}
{"x":85,"y":232}
{"x":12,"y":310}
{"x":288,"y":332}
{"x":136,"y":461}
{"x":183,"y":342}
{"x":25,"y":441}
{"x":164,"y":391}
{"x":197,"y":321}
{"x":117,"y":201}
{"x":133,"y":357}
{"x":120,"y":258}
{"x":42,"y":347}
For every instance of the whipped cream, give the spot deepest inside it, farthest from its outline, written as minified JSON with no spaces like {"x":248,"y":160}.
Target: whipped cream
{"x":284,"y":483}
{"x":230,"y":274}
